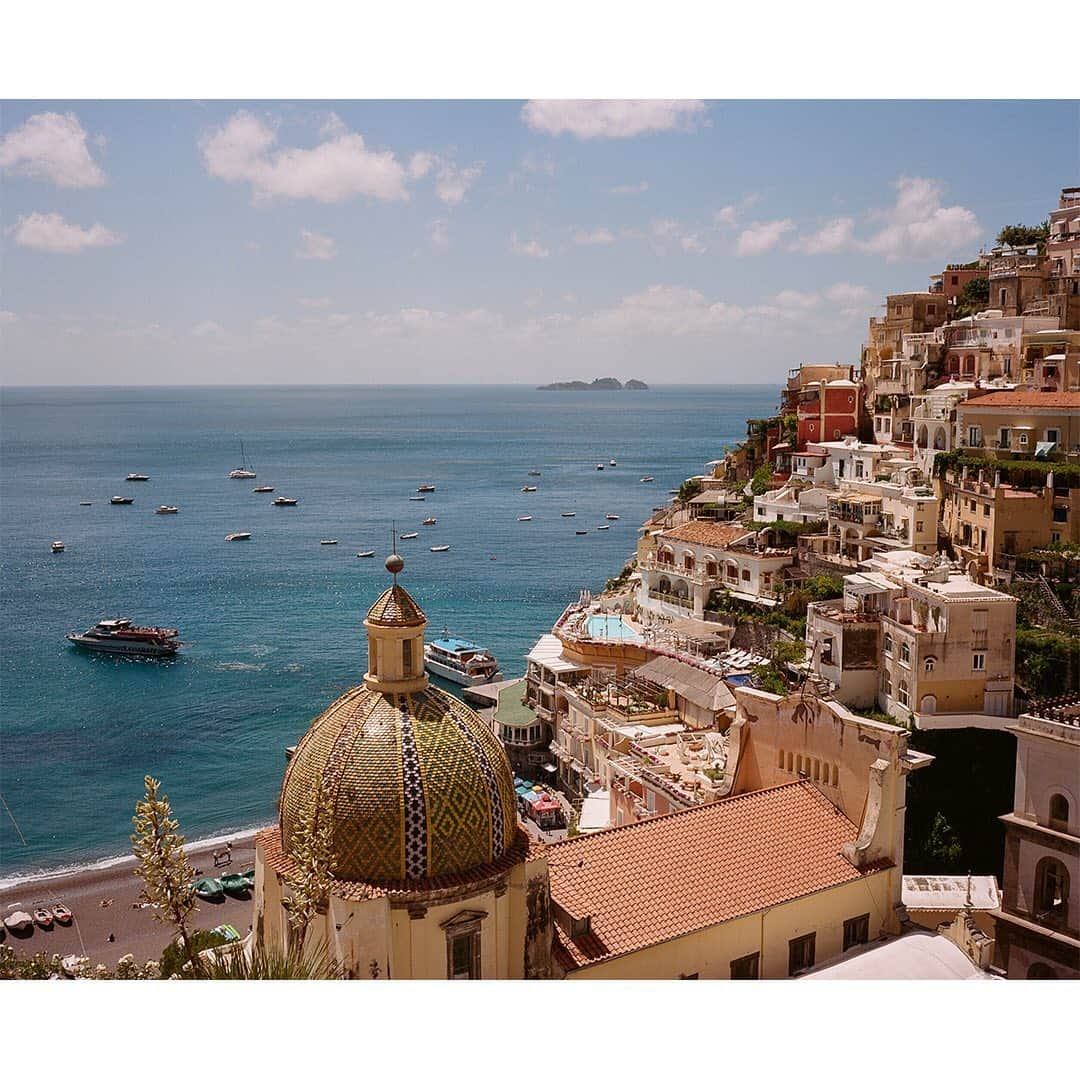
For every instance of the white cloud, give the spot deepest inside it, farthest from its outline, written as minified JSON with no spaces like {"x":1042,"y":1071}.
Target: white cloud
{"x":50,"y":232}
{"x":51,"y":147}
{"x":669,"y":310}
{"x":452,"y":183}
{"x":692,"y":243}
{"x":916,"y":226}
{"x":208,"y":329}
{"x":599,"y":236}
{"x":244,"y":150}
{"x":793,"y":299}
{"x":440,"y":239}
{"x":314,"y":245}
{"x":531,"y":249}
{"x":420,"y":164}
{"x":314,"y":301}
{"x":729,"y":216}
{"x":610,"y":119}
{"x":762,"y":236}
{"x":844,"y":293}
{"x":665,"y":234}
{"x":629,"y":189}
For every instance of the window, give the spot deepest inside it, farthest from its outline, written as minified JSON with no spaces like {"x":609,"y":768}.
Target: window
{"x":905,"y":653}
{"x":856,"y":931}
{"x":929,"y":664}
{"x":986,"y":509}
{"x":902,"y":695}
{"x":888,"y":644}
{"x":1051,"y":888}
{"x":826,"y":650}
{"x":1022,"y":438}
{"x":746,"y":575}
{"x":1004,"y":439}
{"x":918,"y":526}
{"x":780,"y":760}
{"x":746,"y":967}
{"x":406,"y":657}
{"x":463,"y":955}
{"x":801,"y":953}
{"x":886,"y":683}
{"x":1059,"y":813}
{"x":931,"y":309}
{"x":978,"y":661}
{"x":1053,"y":435}
{"x":974,"y":436}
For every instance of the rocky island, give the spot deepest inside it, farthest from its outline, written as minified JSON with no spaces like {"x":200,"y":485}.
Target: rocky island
{"x":597,"y":384}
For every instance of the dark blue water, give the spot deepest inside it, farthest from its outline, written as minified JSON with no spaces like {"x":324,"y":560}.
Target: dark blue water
{"x":276,"y":623}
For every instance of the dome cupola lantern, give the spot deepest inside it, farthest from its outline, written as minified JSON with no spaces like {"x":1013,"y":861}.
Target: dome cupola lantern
{"x":395,"y":626}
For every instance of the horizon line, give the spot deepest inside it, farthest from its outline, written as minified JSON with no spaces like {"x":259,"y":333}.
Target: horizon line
{"x":304,"y":385}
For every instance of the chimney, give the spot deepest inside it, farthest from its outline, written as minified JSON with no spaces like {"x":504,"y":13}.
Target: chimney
{"x":997,"y":479}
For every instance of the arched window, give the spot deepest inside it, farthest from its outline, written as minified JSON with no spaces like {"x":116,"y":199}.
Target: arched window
{"x":888,"y":644}
{"x":905,"y":652}
{"x":1059,"y":813}
{"x":930,"y":663}
{"x":1051,"y":888}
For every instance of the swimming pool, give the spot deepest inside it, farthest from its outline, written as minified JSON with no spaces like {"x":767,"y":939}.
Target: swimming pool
{"x":610,"y":628}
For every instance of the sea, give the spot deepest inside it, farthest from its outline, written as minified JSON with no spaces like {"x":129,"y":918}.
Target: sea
{"x":274,"y":625}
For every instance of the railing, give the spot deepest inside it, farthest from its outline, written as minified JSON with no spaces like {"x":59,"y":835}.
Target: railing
{"x":671,"y":598}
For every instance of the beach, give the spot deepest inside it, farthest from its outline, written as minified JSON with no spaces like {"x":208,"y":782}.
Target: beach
{"x":105,"y":900}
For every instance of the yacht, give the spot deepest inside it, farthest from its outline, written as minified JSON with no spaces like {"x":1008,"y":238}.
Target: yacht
{"x":526,"y":517}
{"x":646,"y":479}
{"x":612,"y":463}
{"x":425,"y":487}
{"x":238,"y":536}
{"x":282,"y":501}
{"x":244,"y":470}
{"x":136,"y":476}
{"x":460,"y":661}
{"x":327,"y":543}
{"x":599,"y":527}
{"x":408,"y":536}
{"x":121,"y":500}
{"x":441,"y":547}
{"x":611,"y":517}
{"x":600,"y":467}
{"x":416,"y":498}
{"x":569,"y":513}
{"x":163,"y":509}
{"x":120,"y":637}
{"x":58,"y":545}
{"x":262,"y":489}
{"x":581,"y":532}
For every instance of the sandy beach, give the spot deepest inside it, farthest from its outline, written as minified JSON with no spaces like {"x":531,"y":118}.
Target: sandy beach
{"x":105,"y":901}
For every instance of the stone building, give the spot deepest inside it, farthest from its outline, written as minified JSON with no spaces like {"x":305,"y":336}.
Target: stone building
{"x":1038,"y":927}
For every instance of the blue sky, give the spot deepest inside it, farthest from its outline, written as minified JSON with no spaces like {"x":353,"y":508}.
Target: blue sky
{"x":299,"y":242}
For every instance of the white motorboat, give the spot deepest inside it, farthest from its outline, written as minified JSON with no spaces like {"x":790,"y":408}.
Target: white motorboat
{"x":526,"y":517}
{"x":282,"y":501}
{"x":163,"y":509}
{"x":136,"y":476}
{"x":600,"y":467}
{"x":86,"y":504}
{"x":646,"y":479}
{"x":121,"y":500}
{"x":408,"y":536}
{"x":365,"y":554}
{"x":441,"y":547}
{"x":612,"y":463}
{"x":611,"y":517}
{"x":528,"y":488}
{"x":569,"y":513}
{"x":327,"y":543}
{"x":416,"y":498}
{"x":262,"y":489}
{"x":430,"y":521}
{"x":600,"y":527}
{"x":460,"y":661}
{"x":58,"y":545}
{"x":238,"y":536}
{"x":425,"y":487}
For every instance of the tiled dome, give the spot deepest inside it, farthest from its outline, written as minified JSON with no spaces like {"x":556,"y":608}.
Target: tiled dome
{"x":396,"y":608}
{"x":418,"y":786}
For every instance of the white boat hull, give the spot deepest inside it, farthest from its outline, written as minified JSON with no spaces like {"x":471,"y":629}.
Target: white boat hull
{"x":122,"y":648}
{"x":454,"y":675}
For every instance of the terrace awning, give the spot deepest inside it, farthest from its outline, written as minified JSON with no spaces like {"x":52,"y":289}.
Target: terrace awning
{"x":1043,"y":449}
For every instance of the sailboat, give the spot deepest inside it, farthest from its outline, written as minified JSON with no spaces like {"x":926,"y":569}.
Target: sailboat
{"x":244,"y":472}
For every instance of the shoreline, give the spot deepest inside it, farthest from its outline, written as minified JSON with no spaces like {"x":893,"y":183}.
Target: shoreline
{"x":104,"y":900}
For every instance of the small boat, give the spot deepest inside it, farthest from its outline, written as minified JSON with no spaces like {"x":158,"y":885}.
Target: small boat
{"x":600,"y":527}
{"x":236,"y":885}
{"x":244,"y":470}
{"x":425,"y":487}
{"x":86,"y":504}
{"x":600,"y":467}
{"x":250,"y":875}
{"x":73,"y":965}
{"x":612,"y":463}
{"x":526,"y":517}
{"x":282,"y":501}
{"x":646,"y":479}
{"x":238,"y":536}
{"x":209,"y":888}
{"x":429,"y":521}
{"x":528,"y":488}
{"x":62,"y":914}
{"x":408,"y":536}
{"x":441,"y":547}
{"x":163,"y":509}
{"x":121,"y":500}
{"x":43,"y":917}
{"x":262,"y":489}
{"x":136,"y":476}
{"x":227,"y":932}
{"x":416,"y":498}
{"x":19,"y":922}
{"x":569,"y":513}
{"x":58,"y":545}
{"x":365,"y":554}
{"x":582,"y":532}
{"x":327,"y":543}
{"x":611,"y":517}
{"x":535,"y":472}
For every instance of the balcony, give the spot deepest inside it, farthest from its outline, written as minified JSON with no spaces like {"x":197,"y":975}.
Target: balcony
{"x":671,"y":598}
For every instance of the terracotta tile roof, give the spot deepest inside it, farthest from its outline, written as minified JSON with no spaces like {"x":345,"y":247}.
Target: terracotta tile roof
{"x":705,"y":532}
{"x":396,"y":608}
{"x":644,"y":883}
{"x":1024,"y":399}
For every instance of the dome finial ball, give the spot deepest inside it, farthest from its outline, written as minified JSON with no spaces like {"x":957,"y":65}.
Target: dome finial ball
{"x":395,"y":563}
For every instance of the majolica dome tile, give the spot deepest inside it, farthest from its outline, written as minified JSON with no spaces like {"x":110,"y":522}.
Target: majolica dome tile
{"x":396,"y":608}
{"x":418,"y":786}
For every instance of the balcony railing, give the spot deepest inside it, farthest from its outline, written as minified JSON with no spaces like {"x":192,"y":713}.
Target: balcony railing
{"x":671,"y":598}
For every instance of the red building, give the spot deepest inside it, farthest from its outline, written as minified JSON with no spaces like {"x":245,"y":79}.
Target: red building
{"x":828,"y":411}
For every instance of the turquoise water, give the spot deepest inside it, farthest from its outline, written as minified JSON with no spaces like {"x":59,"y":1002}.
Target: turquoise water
{"x":275,"y":623}
{"x":611,"y":627}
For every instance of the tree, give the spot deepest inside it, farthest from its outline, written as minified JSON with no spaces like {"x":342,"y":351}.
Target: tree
{"x":761,"y":480}
{"x":942,"y":844}
{"x":1025,"y":235}
{"x":168,"y":878}
{"x":689,"y":489}
{"x":314,"y":859}
{"x":974,"y":296}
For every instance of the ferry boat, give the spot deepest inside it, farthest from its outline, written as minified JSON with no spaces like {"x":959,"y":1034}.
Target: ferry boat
{"x":244,"y":470}
{"x":136,"y":476}
{"x":282,"y":501}
{"x":58,"y":545}
{"x":119,"y":636}
{"x":163,"y":509}
{"x":425,"y":487}
{"x":238,"y":536}
{"x":121,"y":500}
{"x":262,"y":489}
{"x":460,"y":661}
